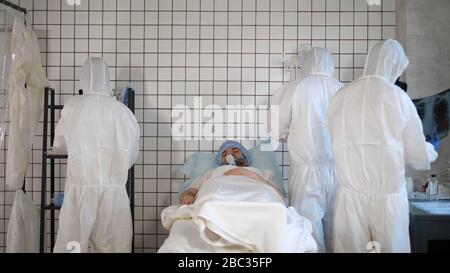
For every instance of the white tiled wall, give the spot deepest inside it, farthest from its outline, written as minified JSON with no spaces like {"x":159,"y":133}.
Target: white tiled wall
{"x":227,"y":51}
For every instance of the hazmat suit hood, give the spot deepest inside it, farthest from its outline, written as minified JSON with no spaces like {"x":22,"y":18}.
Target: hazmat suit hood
{"x":94,"y":77}
{"x":319,"y":61}
{"x":386,"y":59}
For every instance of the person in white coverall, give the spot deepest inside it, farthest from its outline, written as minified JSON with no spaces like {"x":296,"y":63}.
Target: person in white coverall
{"x":376,"y":131}
{"x":101,"y":136}
{"x":303,"y":121}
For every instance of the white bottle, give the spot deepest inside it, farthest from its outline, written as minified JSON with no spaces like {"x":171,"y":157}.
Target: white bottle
{"x":409,"y":185}
{"x":433,"y":188}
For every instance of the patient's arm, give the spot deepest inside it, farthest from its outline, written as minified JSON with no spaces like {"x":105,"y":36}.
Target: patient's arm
{"x":188,"y":197}
{"x":245,"y":172}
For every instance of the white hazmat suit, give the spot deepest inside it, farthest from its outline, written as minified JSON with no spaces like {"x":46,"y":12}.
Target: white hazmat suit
{"x":102,"y":139}
{"x":376,"y":131}
{"x":26,"y":101}
{"x":26,"y":97}
{"x":23,"y":228}
{"x":303,"y":123}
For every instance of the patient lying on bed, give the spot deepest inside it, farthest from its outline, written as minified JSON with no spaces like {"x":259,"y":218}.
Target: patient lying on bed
{"x":237,"y":174}
{"x":239,"y":208}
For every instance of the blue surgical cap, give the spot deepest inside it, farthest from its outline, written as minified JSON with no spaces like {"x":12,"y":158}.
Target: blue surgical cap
{"x":231,"y":144}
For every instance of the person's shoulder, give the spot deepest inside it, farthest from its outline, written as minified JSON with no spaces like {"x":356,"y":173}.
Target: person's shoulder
{"x":399,"y":92}
{"x":294,"y":83}
{"x":403,"y":98}
{"x":258,"y":170}
{"x":219,"y":169}
{"x":390,"y":89}
{"x":72,"y":102}
{"x":332,"y":81}
{"x":343,"y":90}
{"x":356,"y":81}
{"x":119,"y":105}
{"x":291,"y":87}
{"x":251,"y":168}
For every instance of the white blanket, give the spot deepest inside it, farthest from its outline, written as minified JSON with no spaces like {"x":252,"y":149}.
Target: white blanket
{"x":185,"y":238}
{"x":236,"y":211}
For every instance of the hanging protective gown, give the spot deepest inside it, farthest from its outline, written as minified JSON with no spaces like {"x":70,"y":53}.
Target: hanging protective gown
{"x":376,"y":131}
{"x":26,"y":96}
{"x":101,"y":136}
{"x":26,"y":99}
{"x":23,"y":228}
{"x":303,"y":120}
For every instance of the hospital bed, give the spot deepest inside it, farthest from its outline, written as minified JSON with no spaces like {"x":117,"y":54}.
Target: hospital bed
{"x":253,"y":218}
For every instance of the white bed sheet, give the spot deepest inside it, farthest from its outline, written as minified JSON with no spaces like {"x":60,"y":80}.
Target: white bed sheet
{"x":185,"y":237}
{"x":236,"y":214}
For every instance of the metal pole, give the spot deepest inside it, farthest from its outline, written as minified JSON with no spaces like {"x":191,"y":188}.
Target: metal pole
{"x":131,"y":106}
{"x":44,"y":174}
{"x":52,"y":172}
{"x":131,"y":95}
